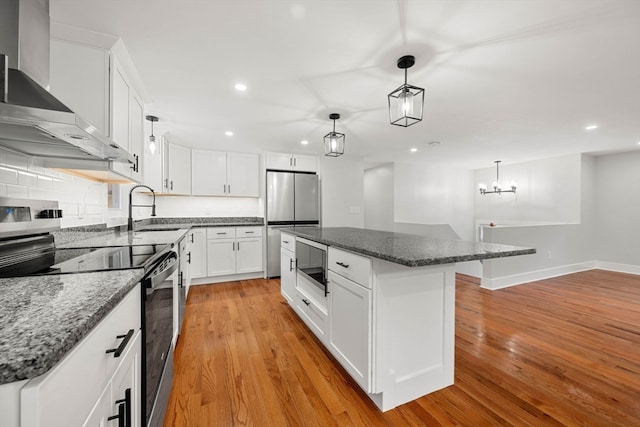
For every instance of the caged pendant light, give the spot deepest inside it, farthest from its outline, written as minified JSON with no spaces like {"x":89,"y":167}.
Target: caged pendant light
{"x":152,"y":138}
{"x":334,"y":141}
{"x":406,"y":102}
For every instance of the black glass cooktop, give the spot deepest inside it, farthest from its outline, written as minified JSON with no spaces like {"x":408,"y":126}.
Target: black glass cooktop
{"x":61,"y":261}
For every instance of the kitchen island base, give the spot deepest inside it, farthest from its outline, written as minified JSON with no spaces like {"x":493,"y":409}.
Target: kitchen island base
{"x":413,"y":332}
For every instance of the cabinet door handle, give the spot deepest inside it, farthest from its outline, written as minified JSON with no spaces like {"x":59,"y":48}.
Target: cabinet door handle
{"x":229,"y":188}
{"x":180,"y":276}
{"x":189,"y":258}
{"x":117,"y":352}
{"x":166,"y":183}
{"x":341,"y":264}
{"x":135,"y":166}
{"x":306,"y":302}
{"x":249,"y":232}
{"x":171,"y":185}
{"x":285,"y":241}
{"x":238,"y":245}
{"x":191,"y":237}
{"x":233,"y":246}
{"x":224,"y":233}
{"x":127,"y":408}
{"x":290,"y":264}
{"x":120,"y":416}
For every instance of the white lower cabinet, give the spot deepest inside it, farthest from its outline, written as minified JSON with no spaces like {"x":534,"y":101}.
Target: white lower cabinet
{"x":84,"y":387}
{"x":118,"y":405}
{"x":234,"y":250}
{"x":350,"y":327}
{"x":391,"y":327}
{"x":198,"y":238}
{"x":287,"y":274}
{"x":221,"y":257}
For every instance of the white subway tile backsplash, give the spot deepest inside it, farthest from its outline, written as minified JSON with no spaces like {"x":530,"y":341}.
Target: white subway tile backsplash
{"x":27,"y":179}
{"x":42,"y":194}
{"x":17,"y":191}
{"x":45,"y":182}
{"x":8,"y":175}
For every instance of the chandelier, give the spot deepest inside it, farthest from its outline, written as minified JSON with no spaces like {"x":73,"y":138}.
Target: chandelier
{"x":497,"y":187}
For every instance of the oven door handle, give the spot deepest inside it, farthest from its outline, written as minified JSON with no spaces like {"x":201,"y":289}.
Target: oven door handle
{"x":155,"y":276}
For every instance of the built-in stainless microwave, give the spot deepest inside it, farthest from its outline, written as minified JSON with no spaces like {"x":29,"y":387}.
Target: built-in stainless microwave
{"x":311,"y":262}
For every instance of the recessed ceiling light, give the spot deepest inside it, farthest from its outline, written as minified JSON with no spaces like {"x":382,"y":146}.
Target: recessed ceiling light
{"x":228,"y":133}
{"x":413,"y":150}
{"x":241,"y":87}
{"x":304,"y":142}
{"x":591,"y":127}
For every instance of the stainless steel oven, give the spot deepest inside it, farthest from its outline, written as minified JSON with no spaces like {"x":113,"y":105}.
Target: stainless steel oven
{"x":311,"y":262}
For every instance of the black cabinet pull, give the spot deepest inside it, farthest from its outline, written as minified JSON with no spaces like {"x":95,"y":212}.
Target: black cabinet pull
{"x":249,"y":232}
{"x":120,"y":416}
{"x":180,"y":275}
{"x":341,"y":264}
{"x":117,"y":352}
{"x":191,"y":237}
{"x":306,"y":302}
{"x":135,"y":166}
{"x":290,"y":264}
{"x":285,"y":241}
{"x":127,"y":408}
{"x":188,"y":257}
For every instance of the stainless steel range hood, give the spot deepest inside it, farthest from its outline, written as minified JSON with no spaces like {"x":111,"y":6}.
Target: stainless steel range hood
{"x":32,"y":121}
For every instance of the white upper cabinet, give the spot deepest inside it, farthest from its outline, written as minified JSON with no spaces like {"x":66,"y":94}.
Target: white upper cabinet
{"x":218,"y":173}
{"x":80,"y":79}
{"x":208,"y":173}
{"x":94,"y":83}
{"x":293,"y":162}
{"x":177,"y":167}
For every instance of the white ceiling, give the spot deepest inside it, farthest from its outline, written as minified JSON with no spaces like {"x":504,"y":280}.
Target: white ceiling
{"x":511,"y":80}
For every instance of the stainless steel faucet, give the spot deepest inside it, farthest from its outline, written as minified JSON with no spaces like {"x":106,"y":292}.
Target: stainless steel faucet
{"x":131,"y":205}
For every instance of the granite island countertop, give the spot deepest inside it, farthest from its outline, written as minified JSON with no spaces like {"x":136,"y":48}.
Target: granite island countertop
{"x":407,"y":249}
{"x":43,"y":317}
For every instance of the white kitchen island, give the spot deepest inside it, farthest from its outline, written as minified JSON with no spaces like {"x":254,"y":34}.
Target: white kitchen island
{"x":388,"y":316}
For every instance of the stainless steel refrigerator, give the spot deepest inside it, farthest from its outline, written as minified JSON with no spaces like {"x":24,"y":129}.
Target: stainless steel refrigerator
{"x":293,"y":200}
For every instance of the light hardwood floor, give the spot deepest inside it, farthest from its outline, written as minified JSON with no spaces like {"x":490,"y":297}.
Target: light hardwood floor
{"x":562,"y":351}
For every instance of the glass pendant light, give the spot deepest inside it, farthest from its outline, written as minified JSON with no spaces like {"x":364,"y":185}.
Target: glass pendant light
{"x":152,"y":138}
{"x":406,"y":102}
{"x":334,"y":141}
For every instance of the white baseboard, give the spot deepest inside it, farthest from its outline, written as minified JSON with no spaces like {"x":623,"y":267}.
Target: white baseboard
{"x":620,"y":268}
{"x":228,"y":278}
{"x":532,"y":276}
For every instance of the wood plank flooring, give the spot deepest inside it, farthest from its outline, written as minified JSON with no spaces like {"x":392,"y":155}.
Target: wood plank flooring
{"x":559,"y":352}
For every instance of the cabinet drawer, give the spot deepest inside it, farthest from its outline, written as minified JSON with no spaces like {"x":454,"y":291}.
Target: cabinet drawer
{"x":248,"y":232}
{"x":312,"y":315}
{"x":351,"y":266}
{"x":221,"y":233}
{"x":65,"y":395}
{"x":288,"y":242}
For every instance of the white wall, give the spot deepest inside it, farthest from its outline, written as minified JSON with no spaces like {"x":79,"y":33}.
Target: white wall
{"x":426,"y":194}
{"x":548,"y":191}
{"x":617,"y":188}
{"x":378,"y":197}
{"x":182,"y":206}
{"x":342,"y":191}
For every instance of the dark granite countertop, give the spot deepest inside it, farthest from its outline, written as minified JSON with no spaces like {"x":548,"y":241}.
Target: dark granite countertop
{"x":129,"y":238}
{"x":407,"y":249}
{"x":43,"y":317}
